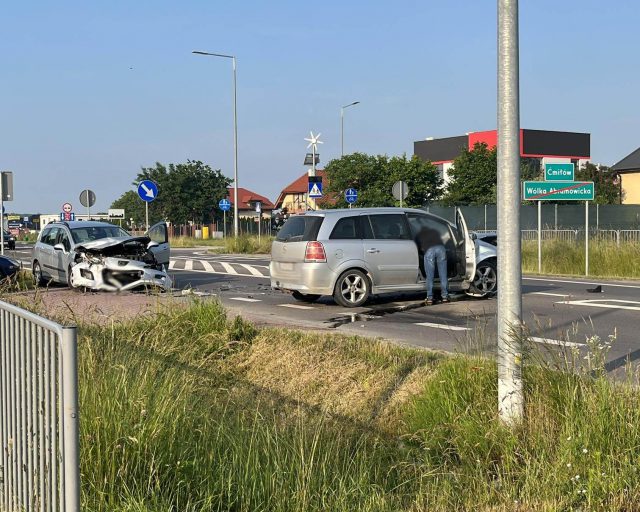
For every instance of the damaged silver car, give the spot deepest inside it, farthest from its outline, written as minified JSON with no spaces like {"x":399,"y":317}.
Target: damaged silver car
{"x":101,"y":256}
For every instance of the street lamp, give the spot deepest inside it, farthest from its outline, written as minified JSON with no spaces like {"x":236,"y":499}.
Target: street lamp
{"x":342,"y":124}
{"x":235,"y":137}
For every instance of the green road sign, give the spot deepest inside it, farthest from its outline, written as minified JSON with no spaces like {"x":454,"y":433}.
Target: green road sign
{"x":559,"y":172}
{"x":558,"y":191}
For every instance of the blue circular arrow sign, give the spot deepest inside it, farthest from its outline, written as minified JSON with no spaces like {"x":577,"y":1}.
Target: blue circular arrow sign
{"x":224,"y":205}
{"x":147,"y":190}
{"x":351,"y":195}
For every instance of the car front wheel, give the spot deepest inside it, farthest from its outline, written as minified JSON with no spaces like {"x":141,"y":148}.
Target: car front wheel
{"x":352,"y":289}
{"x":485,"y":281}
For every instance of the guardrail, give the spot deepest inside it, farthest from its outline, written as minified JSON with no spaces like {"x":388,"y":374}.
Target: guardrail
{"x":38,"y":413}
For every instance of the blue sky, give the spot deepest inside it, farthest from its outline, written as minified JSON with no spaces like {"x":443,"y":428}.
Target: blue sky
{"x":92,"y":91}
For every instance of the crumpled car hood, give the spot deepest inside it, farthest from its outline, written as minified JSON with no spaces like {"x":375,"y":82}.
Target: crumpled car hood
{"x":112,"y":245}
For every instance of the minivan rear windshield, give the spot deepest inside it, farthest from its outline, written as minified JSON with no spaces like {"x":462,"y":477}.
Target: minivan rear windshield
{"x":301,"y":228}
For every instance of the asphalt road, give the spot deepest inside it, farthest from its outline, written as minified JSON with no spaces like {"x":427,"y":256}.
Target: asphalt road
{"x":556,"y":311}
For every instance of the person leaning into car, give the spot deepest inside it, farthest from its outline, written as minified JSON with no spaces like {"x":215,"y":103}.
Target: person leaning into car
{"x":430,"y":244}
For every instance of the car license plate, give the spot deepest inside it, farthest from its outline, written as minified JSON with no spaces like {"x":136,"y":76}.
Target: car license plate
{"x":286,"y":266}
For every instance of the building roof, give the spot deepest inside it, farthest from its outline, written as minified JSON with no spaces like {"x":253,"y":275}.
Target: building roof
{"x":300,"y":185}
{"x":629,"y":163}
{"x":246,"y":197}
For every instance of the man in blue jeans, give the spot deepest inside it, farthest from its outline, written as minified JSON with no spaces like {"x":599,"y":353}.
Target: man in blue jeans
{"x":430,"y":244}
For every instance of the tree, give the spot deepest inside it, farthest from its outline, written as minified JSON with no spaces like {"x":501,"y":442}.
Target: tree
{"x":605,"y":181}
{"x":373,"y":177}
{"x":474,"y":176}
{"x":186,"y":192}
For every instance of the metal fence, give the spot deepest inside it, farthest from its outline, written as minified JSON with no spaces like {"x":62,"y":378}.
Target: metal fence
{"x":554,"y":216}
{"x":38,"y":414}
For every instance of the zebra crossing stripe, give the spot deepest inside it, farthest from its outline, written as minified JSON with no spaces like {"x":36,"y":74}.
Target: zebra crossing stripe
{"x":207,"y":266}
{"x":229,"y":269}
{"x":254,"y":271}
{"x":172,"y":264}
{"x":188,"y":265}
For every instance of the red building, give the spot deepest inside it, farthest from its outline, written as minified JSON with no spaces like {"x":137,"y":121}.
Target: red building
{"x":537,"y":146}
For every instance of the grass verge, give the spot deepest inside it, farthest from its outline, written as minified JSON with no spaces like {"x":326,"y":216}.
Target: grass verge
{"x":606,"y":259}
{"x":190,"y":242}
{"x":194,"y":411}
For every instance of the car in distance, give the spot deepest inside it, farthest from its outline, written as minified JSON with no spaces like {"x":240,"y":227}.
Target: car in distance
{"x":9,"y":240}
{"x":8,"y":268}
{"x":351,"y":254}
{"x":101,"y":256}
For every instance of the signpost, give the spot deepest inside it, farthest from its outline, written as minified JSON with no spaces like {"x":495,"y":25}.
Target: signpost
{"x":351,"y":196}
{"x":313,"y":141}
{"x":148,"y":191}
{"x":259,"y":212}
{"x":116,"y":213}
{"x":559,"y":186}
{"x":558,"y":191}
{"x":88,"y":199}
{"x":66,"y":213}
{"x":400,"y":191}
{"x":6,"y":194}
{"x":225,"y":205}
{"x":559,"y":172}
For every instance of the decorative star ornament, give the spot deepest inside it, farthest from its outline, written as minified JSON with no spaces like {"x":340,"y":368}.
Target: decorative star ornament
{"x":314,"y":140}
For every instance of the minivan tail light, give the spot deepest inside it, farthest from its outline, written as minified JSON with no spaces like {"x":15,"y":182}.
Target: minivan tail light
{"x":314,"y":253}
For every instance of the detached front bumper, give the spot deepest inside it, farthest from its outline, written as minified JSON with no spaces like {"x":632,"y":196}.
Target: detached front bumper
{"x":118,"y":274}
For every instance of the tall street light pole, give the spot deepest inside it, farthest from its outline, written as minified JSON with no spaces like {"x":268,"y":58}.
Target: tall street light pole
{"x":510,"y":394}
{"x":235,"y":136}
{"x":342,"y":124}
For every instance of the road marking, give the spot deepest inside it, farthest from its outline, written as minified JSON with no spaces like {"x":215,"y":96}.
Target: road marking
{"x":245,"y":299}
{"x":172,"y":264}
{"x":214,"y":272}
{"x":228,"y":268}
{"x":254,"y":271}
{"x":561,"y":343}
{"x":295,"y":306}
{"x":188,"y":265}
{"x":603,"y":283}
{"x":550,"y":294}
{"x":207,"y":266}
{"x":443,"y":326}
{"x":597,"y":303}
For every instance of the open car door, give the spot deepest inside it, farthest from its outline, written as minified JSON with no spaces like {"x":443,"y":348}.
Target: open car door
{"x":159,"y":233}
{"x":467,"y":247}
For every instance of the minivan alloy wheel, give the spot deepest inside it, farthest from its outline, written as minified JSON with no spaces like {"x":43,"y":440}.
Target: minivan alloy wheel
{"x":352,"y":289}
{"x":485,"y":281}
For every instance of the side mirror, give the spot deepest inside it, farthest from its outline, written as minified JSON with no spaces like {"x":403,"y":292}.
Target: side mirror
{"x":473,"y":236}
{"x":58,"y":247}
{"x":152,"y":244}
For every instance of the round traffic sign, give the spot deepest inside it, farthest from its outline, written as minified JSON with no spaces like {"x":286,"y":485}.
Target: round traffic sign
{"x":87,"y":198}
{"x":351,"y":195}
{"x":147,"y":190}
{"x":224,"y":205}
{"x":66,"y":207}
{"x":400,"y":190}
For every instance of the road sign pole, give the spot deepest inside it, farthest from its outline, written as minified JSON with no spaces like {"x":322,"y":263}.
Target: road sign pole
{"x":146,"y":213}
{"x":510,"y":395}
{"x":539,"y":237}
{"x":224,"y":223}
{"x":586,"y":238}
{"x":401,"y":192}
{"x":2,"y":213}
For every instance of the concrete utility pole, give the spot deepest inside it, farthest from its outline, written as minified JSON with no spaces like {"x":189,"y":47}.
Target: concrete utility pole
{"x":510,"y":396}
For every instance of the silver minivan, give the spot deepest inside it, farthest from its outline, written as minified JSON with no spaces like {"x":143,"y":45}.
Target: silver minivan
{"x":353,"y":253}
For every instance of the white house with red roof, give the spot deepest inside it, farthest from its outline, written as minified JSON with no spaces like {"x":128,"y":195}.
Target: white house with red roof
{"x":247,"y":201}
{"x":294,"y":195}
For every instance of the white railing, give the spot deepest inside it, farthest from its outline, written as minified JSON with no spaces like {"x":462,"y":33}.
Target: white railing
{"x":38,"y":414}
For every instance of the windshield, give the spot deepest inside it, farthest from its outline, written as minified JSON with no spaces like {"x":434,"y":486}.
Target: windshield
{"x":89,"y":233}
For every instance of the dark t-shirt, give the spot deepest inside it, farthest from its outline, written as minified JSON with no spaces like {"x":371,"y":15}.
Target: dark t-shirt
{"x":426,"y":238}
